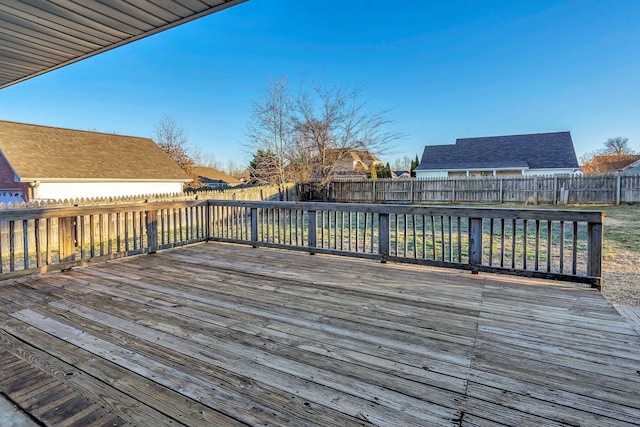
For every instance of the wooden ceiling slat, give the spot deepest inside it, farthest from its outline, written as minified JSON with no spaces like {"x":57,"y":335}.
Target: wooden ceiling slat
{"x":17,"y":8}
{"x":147,"y":12}
{"x":11,"y":44}
{"x":115,"y":14}
{"x":73,"y":19}
{"x":35,"y":39}
{"x":44,"y":32}
{"x":13,"y":57}
{"x":84,"y":12}
{"x":37,"y":36}
{"x":173,"y":7}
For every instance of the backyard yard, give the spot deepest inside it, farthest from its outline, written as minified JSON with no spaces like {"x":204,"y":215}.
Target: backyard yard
{"x":621,"y":251}
{"x":621,"y":255}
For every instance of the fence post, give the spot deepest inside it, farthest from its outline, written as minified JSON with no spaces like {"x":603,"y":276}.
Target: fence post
{"x":535,"y":190}
{"x":373,"y":189}
{"x":383,"y":236}
{"x":311,"y":216}
{"x":500,"y":188}
{"x":453,"y":189}
{"x":66,"y":239}
{"x":555,"y":190}
{"x":475,"y":243}
{"x":253,"y":214}
{"x":618,"y":189}
{"x":594,"y":252}
{"x":152,"y":230}
{"x":411,"y":187}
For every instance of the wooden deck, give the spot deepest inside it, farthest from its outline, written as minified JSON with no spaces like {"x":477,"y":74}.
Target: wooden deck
{"x":219,"y":335}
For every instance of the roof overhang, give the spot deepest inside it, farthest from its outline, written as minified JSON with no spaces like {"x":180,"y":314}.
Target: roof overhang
{"x":38,"y":36}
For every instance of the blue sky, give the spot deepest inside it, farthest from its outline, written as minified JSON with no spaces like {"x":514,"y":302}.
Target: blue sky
{"x":444,"y":69}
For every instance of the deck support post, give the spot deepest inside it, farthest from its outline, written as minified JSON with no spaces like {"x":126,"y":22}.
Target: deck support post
{"x":66,"y":239}
{"x":312,"y":219}
{"x":383,"y":235}
{"x":475,"y":244}
{"x":594,"y":252}
{"x":152,"y":231}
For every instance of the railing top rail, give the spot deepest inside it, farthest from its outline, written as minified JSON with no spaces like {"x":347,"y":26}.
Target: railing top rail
{"x":594,"y":217}
{"x":66,"y":211}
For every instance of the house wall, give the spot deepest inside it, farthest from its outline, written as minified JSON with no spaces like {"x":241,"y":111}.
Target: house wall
{"x":504,"y":173}
{"x":10,"y":190}
{"x":548,"y":171}
{"x":430,"y":174}
{"x":73,"y":190}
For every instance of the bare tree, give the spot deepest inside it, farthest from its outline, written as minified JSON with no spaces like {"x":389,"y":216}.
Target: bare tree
{"x":617,"y":146}
{"x":313,"y":134}
{"x":174,"y":140}
{"x":206,"y":159}
{"x":270,"y":131}
{"x":330,"y":122}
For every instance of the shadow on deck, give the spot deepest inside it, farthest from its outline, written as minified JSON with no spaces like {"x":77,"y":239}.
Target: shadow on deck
{"x":216,"y":334}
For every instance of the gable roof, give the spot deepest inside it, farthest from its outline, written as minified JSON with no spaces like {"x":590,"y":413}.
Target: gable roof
{"x":42,"y":153}
{"x":360,"y":159}
{"x":214,"y":174}
{"x":532,"y":151}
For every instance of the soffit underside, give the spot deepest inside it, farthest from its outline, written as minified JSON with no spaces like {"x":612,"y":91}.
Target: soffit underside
{"x":38,"y":36}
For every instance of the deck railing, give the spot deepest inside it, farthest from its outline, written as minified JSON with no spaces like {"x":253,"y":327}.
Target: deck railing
{"x":565,"y":245}
{"x":37,"y":240}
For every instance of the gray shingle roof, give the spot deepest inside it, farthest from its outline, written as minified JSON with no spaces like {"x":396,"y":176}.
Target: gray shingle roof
{"x":534,"y":151}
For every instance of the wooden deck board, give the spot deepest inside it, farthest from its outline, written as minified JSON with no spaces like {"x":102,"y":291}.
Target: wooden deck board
{"x":217,"y":334}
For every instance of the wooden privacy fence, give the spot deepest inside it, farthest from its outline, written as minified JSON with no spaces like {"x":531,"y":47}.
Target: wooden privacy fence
{"x":554,"y":189}
{"x":565,"y":245}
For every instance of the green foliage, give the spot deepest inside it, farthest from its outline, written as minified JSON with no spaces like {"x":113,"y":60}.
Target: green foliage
{"x":380,"y":171}
{"x":262,"y":167}
{"x":414,"y":164}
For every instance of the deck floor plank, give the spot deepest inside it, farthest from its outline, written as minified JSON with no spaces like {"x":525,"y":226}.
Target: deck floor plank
{"x":219,"y":334}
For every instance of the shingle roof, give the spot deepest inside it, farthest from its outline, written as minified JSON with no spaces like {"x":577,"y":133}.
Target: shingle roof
{"x":214,"y":174}
{"x":533,"y":151}
{"x":46,"y":153}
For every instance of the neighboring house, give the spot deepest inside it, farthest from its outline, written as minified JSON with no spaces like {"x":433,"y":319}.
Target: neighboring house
{"x":533,"y":154}
{"x":213,"y":178}
{"x":609,"y":163}
{"x":348,"y":163}
{"x":41,"y":162}
{"x":401,"y":174}
{"x":633,"y":168}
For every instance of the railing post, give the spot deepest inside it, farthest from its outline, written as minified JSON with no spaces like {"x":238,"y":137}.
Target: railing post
{"x":66,"y":239}
{"x":475,"y":243}
{"x":311,"y":216}
{"x":594,"y":252}
{"x":383,"y":236}
{"x":253,"y":217}
{"x":152,"y":230}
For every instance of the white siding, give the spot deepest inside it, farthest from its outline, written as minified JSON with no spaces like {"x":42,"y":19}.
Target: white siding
{"x":443,"y":173}
{"x":548,"y":171}
{"x":431,"y":174}
{"x":73,"y":190}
